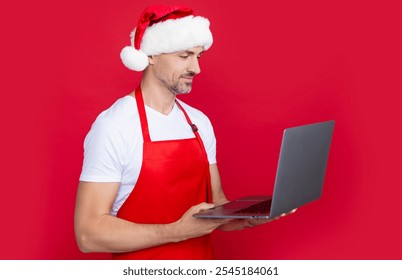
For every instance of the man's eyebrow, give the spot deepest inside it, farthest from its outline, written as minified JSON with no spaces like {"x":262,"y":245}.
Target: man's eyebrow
{"x":191,"y":52}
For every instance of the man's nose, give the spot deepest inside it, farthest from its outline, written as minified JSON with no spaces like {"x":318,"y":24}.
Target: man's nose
{"x":195,"y":66}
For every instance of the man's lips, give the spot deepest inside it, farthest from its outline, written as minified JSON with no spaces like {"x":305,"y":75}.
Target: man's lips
{"x":188,"y":77}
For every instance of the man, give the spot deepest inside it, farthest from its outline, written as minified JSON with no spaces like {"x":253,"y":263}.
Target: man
{"x":149,"y":161}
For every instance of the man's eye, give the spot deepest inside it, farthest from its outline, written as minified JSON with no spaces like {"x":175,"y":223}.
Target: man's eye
{"x":184,"y":56}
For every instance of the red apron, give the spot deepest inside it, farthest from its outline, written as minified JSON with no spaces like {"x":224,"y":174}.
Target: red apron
{"x":174,"y":176}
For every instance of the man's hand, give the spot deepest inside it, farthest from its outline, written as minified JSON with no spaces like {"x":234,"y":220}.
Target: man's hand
{"x":189,"y":227}
{"x":239,"y":224}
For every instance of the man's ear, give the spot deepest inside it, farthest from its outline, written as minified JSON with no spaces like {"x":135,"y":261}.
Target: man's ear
{"x":151,"y":59}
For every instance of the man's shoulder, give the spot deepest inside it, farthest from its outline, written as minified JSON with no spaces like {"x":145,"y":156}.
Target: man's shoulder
{"x":121,"y":117}
{"x":122,"y":109}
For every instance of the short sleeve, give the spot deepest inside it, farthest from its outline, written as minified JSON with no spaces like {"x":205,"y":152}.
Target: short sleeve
{"x":210,"y":143}
{"x":103,"y":153}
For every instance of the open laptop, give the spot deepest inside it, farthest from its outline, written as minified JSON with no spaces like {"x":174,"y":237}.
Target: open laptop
{"x":299,"y":176}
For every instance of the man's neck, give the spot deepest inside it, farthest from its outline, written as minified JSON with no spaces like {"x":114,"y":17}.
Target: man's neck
{"x":157,"y":97}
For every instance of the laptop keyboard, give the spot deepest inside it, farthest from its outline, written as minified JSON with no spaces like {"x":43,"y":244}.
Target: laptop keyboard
{"x":262,"y":207}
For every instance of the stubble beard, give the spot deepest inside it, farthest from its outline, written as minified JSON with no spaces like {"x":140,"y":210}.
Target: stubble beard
{"x":179,"y":88}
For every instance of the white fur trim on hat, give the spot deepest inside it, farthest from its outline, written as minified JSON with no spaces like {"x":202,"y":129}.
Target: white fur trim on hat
{"x":167,"y":37}
{"x":133,"y":59}
{"x":176,"y":35}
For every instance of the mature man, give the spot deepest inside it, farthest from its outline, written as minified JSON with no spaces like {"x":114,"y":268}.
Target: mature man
{"x":149,"y":160}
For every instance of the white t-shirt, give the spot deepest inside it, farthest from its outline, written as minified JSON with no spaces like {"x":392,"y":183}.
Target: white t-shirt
{"x":113,"y":146}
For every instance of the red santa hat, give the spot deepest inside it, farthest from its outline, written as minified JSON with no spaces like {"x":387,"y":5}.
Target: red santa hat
{"x":163,"y":29}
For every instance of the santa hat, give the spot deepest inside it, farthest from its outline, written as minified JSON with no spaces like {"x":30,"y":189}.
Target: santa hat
{"x":163,"y":29}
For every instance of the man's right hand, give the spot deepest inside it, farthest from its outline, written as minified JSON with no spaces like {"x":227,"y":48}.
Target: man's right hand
{"x":189,"y":227}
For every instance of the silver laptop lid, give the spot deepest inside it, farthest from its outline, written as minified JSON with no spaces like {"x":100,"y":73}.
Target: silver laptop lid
{"x":302,"y":164}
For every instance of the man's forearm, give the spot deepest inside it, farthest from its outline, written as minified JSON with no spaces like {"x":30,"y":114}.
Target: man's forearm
{"x":107,"y":233}
{"x":112,"y":234}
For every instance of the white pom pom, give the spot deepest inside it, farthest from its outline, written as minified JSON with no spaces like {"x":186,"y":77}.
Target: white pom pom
{"x":133,"y":59}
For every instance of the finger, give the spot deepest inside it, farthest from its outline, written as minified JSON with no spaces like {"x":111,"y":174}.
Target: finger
{"x":257,"y":222}
{"x":225,"y":221}
{"x":203,"y":206}
{"x":260,"y":221}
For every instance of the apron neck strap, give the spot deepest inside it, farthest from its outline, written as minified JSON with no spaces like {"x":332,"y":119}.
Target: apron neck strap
{"x":144,"y":122}
{"x":197,"y":135}
{"x":193,"y":126}
{"x":142,"y":114}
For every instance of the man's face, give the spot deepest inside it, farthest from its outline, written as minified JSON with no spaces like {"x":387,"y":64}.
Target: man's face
{"x":176,"y":71}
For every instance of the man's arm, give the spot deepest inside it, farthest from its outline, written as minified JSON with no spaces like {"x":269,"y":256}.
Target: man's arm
{"x":218,"y":198}
{"x":98,"y":231}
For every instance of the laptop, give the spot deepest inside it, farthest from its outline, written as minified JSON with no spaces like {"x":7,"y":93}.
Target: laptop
{"x":299,"y":177}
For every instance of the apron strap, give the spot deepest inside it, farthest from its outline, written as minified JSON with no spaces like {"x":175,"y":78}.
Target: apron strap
{"x":197,"y":135}
{"x":143,"y":116}
{"x":193,"y":126}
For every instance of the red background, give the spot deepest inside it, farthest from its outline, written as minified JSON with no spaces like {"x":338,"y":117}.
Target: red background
{"x":273,"y":64}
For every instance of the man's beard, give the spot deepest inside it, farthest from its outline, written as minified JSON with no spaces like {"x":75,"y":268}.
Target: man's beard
{"x":183,"y":88}
{"x":179,"y":88}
